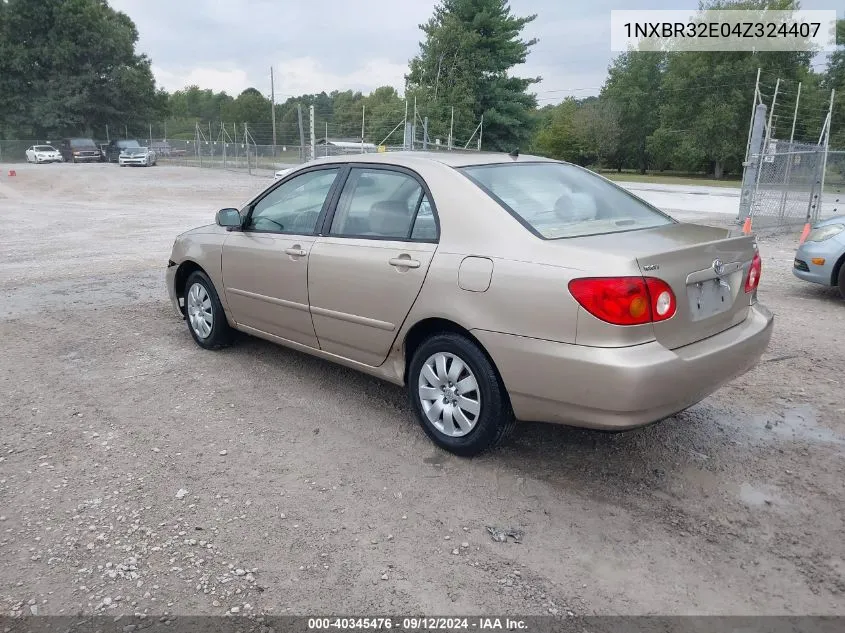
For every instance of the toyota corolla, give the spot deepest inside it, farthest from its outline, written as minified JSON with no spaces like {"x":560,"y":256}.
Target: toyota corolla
{"x":495,"y":288}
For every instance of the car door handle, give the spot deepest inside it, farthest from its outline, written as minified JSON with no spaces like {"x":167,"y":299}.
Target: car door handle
{"x":404,"y":262}
{"x":296,"y":251}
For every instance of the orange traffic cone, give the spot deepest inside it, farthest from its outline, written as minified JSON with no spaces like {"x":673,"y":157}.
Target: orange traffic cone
{"x":12,"y":172}
{"x":746,"y":227}
{"x":804,"y":233}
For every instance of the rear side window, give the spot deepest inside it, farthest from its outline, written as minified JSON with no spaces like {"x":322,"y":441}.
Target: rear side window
{"x":383,"y":204}
{"x":556,"y":200}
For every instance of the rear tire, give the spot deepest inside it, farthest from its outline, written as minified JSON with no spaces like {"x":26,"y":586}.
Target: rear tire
{"x":457,"y":395}
{"x":842,"y":280}
{"x":204,"y":313}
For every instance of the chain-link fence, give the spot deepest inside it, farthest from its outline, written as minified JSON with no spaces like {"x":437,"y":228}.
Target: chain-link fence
{"x":256,"y":159}
{"x":788,"y":186}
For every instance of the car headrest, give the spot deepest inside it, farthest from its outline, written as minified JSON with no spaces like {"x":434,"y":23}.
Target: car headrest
{"x":390,"y":218}
{"x":572,"y":206}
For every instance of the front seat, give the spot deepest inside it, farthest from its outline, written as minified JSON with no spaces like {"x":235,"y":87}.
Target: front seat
{"x":389,"y":218}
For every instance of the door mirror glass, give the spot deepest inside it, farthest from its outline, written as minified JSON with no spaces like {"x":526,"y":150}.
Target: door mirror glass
{"x":230,"y":218}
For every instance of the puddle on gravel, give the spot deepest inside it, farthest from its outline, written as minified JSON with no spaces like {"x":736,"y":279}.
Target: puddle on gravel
{"x":796,"y":423}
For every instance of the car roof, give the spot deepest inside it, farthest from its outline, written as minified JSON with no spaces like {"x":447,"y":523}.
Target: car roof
{"x":450,"y":158}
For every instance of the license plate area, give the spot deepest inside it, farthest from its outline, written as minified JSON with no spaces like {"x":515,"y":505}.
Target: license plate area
{"x":709,"y":298}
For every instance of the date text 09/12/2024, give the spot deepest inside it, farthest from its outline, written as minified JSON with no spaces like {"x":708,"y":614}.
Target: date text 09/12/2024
{"x":417,"y":624}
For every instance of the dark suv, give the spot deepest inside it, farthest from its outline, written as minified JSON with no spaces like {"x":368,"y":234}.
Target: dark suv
{"x":80,"y":150}
{"x":113,"y":149}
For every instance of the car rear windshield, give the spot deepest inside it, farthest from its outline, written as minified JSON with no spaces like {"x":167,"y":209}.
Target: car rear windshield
{"x":558,"y":200}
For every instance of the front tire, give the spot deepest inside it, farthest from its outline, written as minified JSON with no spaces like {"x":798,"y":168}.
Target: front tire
{"x":457,"y":395}
{"x":842,"y":280}
{"x":204,"y":313}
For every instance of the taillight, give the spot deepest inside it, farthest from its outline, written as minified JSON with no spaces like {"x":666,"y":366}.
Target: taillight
{"x":625,"y":300}
{"x":753,"y":279}
{"x":663,"y":304}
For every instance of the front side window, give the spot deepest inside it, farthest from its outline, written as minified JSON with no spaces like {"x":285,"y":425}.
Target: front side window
{"x":295,"y":205}
{"x":557,"y":200}
{"x":380,"y":203}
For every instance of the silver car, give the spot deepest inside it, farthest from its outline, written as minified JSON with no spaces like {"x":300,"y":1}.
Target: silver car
{"x":821,"y":258}
{"x":142,"y":156}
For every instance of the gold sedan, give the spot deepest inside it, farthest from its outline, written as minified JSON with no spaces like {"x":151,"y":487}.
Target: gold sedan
{"x":496,"y":288}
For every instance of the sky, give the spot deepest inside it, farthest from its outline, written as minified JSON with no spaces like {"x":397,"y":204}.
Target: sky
{"x":325,"y":45}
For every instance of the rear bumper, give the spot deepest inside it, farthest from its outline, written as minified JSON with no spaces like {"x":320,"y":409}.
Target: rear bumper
{"x":626,"y":387}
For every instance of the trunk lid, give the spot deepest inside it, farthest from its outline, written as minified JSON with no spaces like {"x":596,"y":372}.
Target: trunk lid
{"x":706,"y":268}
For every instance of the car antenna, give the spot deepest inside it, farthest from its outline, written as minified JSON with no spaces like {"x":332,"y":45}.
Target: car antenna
{"x":514,"y":153}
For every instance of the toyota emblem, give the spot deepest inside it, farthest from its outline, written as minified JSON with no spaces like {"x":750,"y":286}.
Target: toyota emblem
{"x":718,"y":266}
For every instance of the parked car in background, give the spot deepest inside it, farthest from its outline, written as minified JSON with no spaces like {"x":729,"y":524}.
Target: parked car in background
{"x":43,"y":154}
{"x":282,"y":173}
{"x":165,"y":149}
{"x":142,"y":156}
{"x":821,"y":258}
{"x":80,"y":150}
{"x":495,"y":288}
{"x":115,"y":147}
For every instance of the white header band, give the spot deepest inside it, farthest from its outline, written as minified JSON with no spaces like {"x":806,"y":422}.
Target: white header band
{"x":723,"y":30}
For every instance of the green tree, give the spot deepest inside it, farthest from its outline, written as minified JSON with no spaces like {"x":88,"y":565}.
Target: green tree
{"x":633,"y":87}
{"x":70,"y":67}
{"x":464,"y":63}
{"x":384,"y":111}
{"x":559,"y":136}
{"x":706,"y":97}
{"x":834,"y":79}
{"x":597,"y":124}
{"x":254,"y":109}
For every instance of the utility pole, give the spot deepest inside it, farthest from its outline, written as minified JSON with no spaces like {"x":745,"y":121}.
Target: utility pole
{"x":246,"y":147}
{"x":824,"y":156}
{"x":785,"y":193}
{"x":301,"y":134}
{"x":273,"y":108}
{"x":363,"y":118}
{"x":107,"y":134}
{"x":425,"y":134}
{"x":313,"y":138}
{"x":326,"y":140}
{"x":451,"y":128}
{"x":414,"y":126}
{"x":405,"y":133}
{"x":480,"y":132}
{"x":753,"y":114}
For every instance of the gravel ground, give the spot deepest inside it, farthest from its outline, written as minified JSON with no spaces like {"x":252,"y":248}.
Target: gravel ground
{"x":141,"y":474}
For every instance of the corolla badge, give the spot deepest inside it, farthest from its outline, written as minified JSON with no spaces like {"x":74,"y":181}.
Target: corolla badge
{"x":718,"y":266}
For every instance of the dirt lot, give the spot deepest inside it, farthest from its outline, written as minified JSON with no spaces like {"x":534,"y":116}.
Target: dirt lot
{"x":116,"y":494}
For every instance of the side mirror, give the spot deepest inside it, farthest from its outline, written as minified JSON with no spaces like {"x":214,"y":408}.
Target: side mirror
{"x":229,"y":218}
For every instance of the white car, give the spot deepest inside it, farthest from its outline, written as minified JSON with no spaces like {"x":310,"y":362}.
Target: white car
{"x":43,"y":154}
{"x":282,"y":173}
{"x":143,"y":156}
